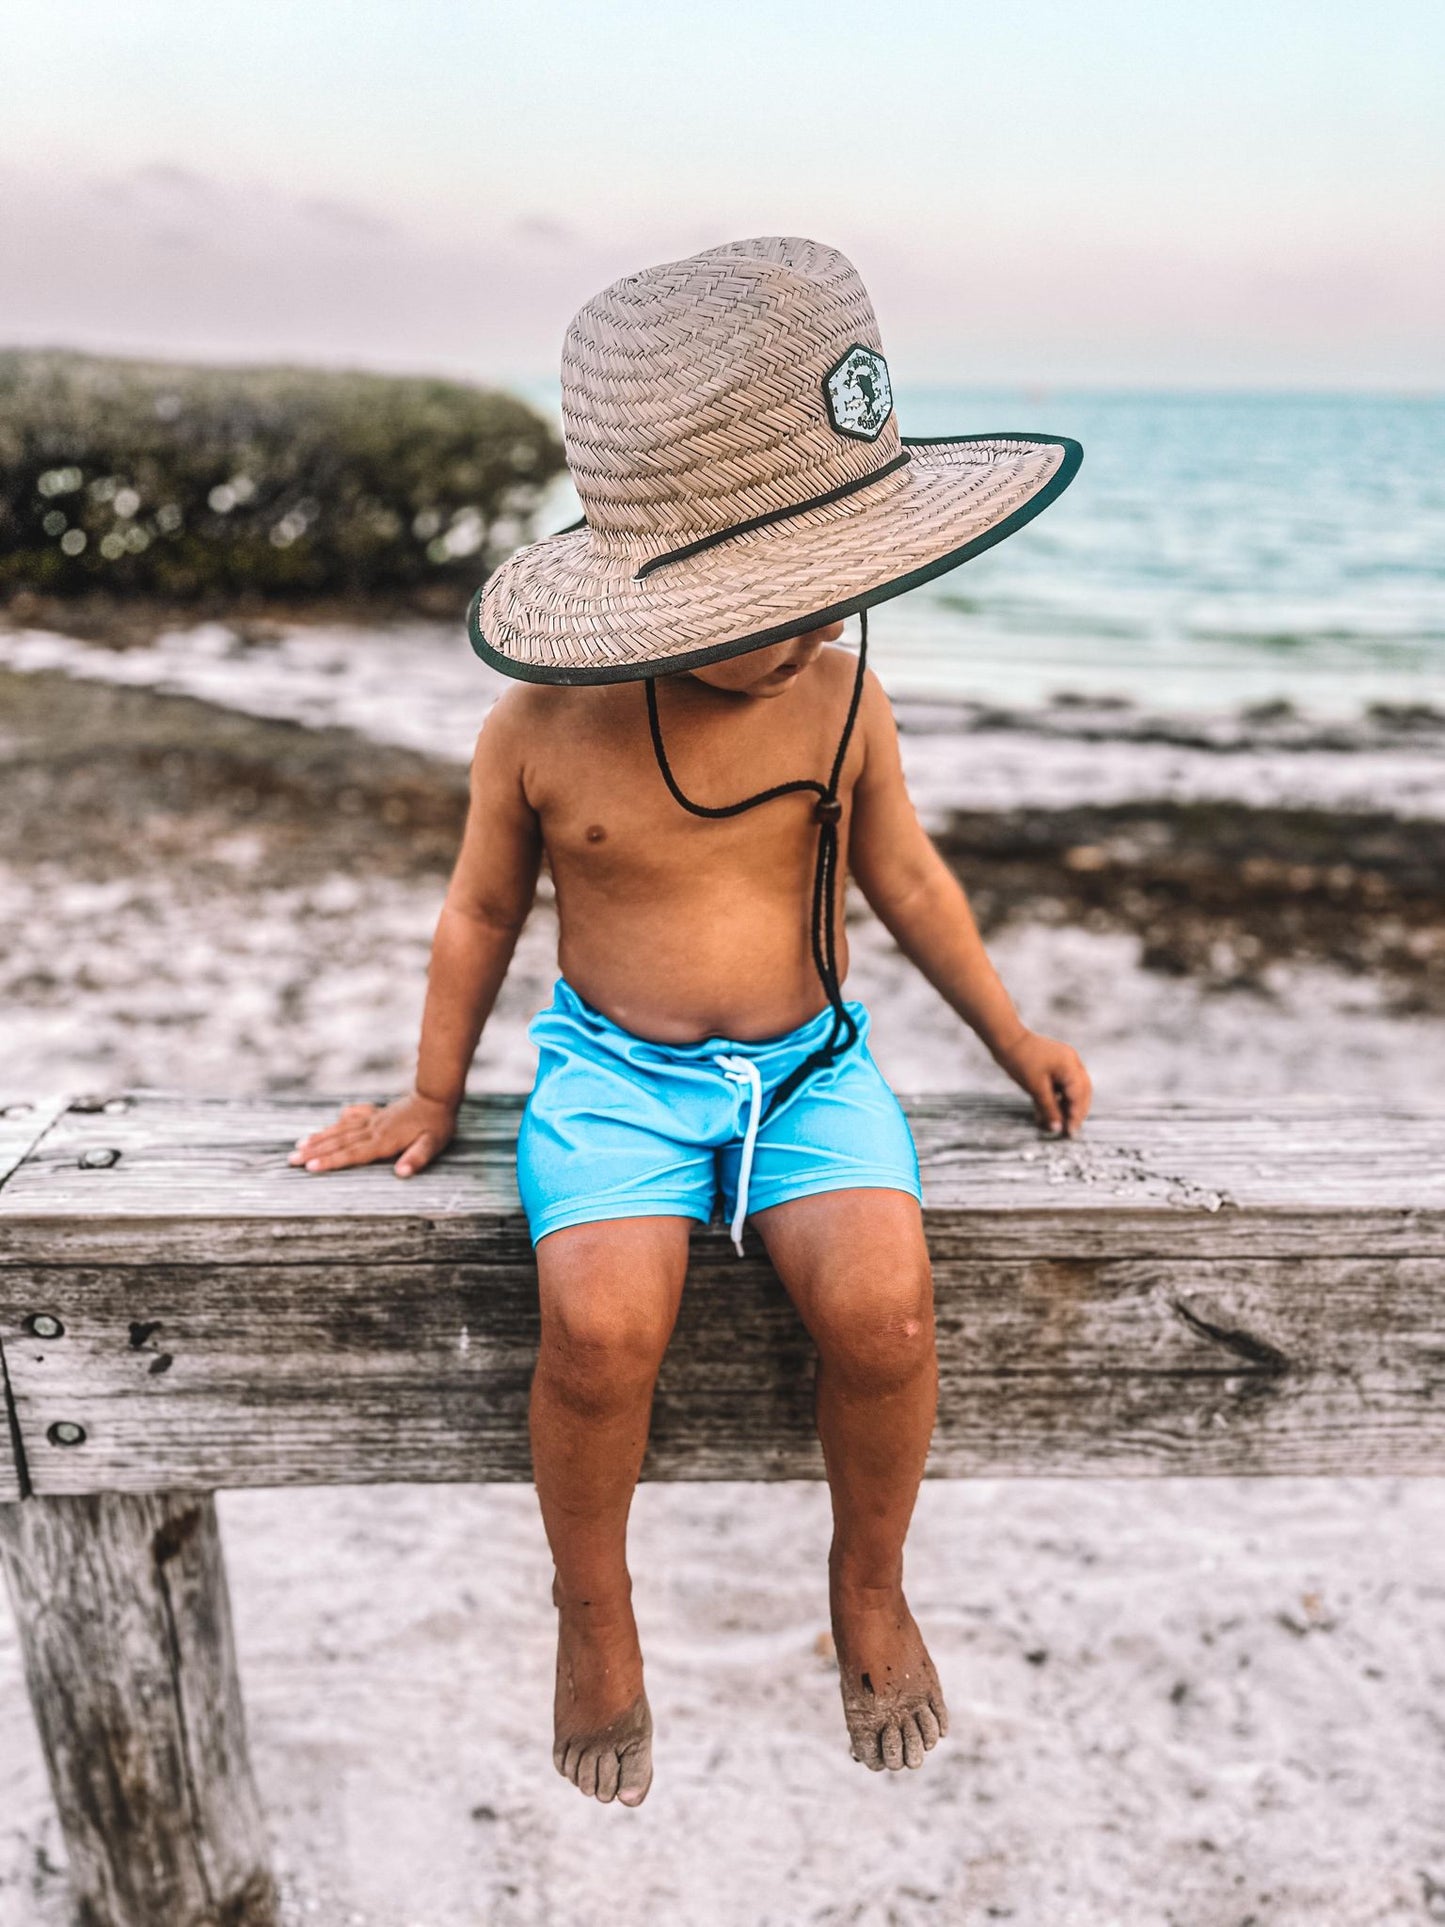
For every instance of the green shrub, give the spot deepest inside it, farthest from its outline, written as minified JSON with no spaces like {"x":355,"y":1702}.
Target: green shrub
{"x":177,"y":481}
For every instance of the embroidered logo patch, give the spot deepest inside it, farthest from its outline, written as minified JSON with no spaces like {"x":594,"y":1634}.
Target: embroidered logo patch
{"x":859,"y":394}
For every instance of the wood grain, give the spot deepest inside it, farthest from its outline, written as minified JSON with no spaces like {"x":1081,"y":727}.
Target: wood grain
{"x":23,"y":1122}
{"x":206,"y":1178}
{"x":1186,"y":1289}
{"x":314,"y":1374}
{"x":125,"y":1627}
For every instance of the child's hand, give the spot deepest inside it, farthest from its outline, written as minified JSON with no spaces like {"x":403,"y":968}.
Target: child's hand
{"x":1053,"y":1074}
{"x":418,"y":1127}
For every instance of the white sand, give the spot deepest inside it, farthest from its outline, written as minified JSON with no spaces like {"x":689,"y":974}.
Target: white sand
{"x":258,"y":988}
{"x":1210,"y":1704}
{"x":1202,"y":1703}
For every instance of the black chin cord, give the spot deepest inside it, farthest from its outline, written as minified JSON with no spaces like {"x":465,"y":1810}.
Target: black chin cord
{"x":827,"y":813}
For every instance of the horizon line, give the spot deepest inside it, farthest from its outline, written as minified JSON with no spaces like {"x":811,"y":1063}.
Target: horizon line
{"x":1042,"y":388}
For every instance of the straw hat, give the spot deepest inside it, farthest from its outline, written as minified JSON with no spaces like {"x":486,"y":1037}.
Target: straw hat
{"x":730,"y":429}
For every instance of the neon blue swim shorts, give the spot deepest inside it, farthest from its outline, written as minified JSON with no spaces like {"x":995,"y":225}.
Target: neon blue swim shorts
{"x":619,"y":1127}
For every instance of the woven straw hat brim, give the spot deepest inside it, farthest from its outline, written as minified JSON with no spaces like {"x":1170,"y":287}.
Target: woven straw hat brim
{"x":572,"y":608}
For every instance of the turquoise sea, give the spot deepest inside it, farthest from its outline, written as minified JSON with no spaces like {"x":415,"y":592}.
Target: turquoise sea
{"x":1214,"y":552}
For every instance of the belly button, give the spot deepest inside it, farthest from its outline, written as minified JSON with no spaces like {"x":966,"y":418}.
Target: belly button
{"x":596,"y":833}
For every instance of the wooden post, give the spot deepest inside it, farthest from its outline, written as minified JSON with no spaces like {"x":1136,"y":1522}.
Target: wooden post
{"x":125,"y":1625}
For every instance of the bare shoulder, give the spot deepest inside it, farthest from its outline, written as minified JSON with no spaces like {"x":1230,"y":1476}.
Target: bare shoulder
{"x":516,"y":727}
{"x":519,"y":711}
{"x":841,"y":665}
{"x":875,"y":704}
{"x":879,"y":731}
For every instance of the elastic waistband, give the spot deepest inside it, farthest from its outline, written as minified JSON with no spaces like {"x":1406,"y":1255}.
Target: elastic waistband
{"x":806,"y":1037}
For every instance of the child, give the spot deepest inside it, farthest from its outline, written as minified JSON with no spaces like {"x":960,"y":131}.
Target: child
{"x":730,"y":431}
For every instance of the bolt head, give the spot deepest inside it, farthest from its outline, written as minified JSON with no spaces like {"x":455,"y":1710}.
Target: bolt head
{"x":44,"y":1324}
{"x":66,"y":1431}
{"x":99,"y":1159}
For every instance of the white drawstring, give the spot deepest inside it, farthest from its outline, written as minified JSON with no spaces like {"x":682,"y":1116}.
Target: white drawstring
{"x":742,"y":1070}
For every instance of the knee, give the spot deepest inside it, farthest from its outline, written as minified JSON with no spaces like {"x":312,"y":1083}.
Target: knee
{"x":599,"y":1353}
{"x":876,"y":1329}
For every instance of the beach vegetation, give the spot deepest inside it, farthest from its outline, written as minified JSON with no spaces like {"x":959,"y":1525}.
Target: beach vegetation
{"x":184,"y":482}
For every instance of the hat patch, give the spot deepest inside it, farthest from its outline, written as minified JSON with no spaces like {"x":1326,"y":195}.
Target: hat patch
{"x":859,"y":394}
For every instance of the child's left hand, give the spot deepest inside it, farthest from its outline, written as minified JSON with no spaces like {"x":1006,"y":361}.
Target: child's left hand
{"x":1053,"y":1074}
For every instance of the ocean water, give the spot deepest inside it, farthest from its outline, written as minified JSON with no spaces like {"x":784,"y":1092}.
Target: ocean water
{"x":1214,"y":552}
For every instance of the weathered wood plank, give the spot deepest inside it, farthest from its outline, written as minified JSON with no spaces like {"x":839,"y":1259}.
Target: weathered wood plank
{"x":198,"y":1179}
{"x":1187,"y":1288}
{"x":1003,"y":1233}
{"x":23,"y":1122}
{"x":125,"y":1626}
{"x":14,"y":1479}
{"x":314,"y":1374}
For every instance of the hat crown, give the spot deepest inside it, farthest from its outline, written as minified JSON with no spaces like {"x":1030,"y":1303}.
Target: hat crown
{"x":707,"y":391}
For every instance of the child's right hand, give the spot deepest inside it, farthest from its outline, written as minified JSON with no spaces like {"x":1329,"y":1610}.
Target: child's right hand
{"x":419,"y":1127}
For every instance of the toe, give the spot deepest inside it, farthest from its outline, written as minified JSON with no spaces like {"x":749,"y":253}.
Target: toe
{"x":609,"y":1775}
{"x":928,"y":1727}
{"x":891,"y":1746}
{"x":571,"y":1760}
{"x":587,"y":1772}
{"x":635,"y":1777}
{"x":940,"y":1711}
{"x":912,"y":1741}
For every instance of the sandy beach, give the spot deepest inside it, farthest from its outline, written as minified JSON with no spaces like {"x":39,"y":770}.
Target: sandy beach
{"x":1092,"y":360}
{"x":1176,"y":1704}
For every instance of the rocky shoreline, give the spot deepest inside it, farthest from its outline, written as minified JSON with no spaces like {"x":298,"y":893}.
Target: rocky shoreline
{"x":1221,"y":890}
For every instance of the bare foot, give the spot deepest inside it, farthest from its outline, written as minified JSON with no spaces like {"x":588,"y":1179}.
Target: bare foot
{"x":892,"y":1700}
{"x":603,"y":1725}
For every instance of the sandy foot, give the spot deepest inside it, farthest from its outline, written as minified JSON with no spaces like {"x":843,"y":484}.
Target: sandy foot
{"x":892,"y":1700}
{"x":605,"y":1753}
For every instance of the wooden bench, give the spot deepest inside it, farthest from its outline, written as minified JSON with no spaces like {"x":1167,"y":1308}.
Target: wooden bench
{"x":1186,"y":1289}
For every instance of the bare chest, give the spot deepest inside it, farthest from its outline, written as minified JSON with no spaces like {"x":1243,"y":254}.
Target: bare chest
{"x":606,"y":812}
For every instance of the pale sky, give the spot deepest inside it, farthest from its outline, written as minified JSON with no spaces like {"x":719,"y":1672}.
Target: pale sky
{"x":1123,"y":193}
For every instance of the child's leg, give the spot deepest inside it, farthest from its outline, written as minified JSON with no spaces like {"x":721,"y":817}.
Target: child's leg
{"x":855,"y":1263}
{"x":609,"y":1295}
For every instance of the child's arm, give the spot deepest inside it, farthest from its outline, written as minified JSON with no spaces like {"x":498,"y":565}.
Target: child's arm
{"x":922,"y":905}
{"x":487,"y":901}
